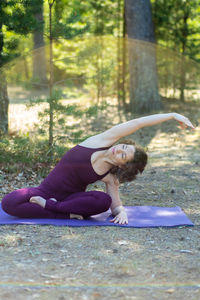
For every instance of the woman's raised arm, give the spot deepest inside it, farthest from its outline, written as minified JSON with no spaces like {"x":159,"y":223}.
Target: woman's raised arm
{"x":112,"y":135}
{"x":121,"y":130}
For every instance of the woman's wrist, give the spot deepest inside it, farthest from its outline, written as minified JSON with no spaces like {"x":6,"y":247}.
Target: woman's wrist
{"x":173,"y":115}
{"x":117,"y":210}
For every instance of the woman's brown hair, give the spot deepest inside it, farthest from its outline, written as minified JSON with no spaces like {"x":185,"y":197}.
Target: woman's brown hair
{"x":131,"y":168}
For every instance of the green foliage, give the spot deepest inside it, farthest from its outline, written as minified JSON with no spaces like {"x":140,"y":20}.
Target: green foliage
{"x":73,"y":18}
{"x":16,"y":20}
{"x":24,"y":149}
{"x":177,"y":25}
{"x":93,"y":110}
{"x":62,"y":113}
{"x":20,"y":151}
{"x":68,"y":21}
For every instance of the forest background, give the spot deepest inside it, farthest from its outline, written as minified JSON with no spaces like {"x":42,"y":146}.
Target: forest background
{"x":67,"y":65}
{"x":70,"y":69}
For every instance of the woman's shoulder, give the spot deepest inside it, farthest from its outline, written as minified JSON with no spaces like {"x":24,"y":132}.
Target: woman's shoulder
{"x":111,"y":180}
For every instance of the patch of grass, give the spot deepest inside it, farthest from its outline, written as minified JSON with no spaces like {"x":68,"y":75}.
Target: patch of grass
{"x":31,"y":148}
{"x":24,"y":151}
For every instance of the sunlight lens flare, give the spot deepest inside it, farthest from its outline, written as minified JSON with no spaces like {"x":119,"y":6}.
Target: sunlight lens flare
{"x":92,"y":71}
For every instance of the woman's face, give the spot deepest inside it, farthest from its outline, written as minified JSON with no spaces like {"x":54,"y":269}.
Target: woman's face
{"x":122,"y":153}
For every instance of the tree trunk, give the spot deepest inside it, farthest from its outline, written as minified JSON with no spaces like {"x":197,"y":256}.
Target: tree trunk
{"x":121,"y":57}
{"x":182,"y":80}
{"x":3,"y":91}
{"x":184,"y":44}
{"x":124,"y":61}
{"x":39,"y":58}
{"x":51,"y":81}
{"x":3,"y":104}
{"x":144,"y":96}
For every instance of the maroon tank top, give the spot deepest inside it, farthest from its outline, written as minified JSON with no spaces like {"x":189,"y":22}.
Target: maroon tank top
{"x":72,"y":174}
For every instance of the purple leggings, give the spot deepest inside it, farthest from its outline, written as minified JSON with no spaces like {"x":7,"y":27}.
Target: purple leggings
{"x":82,"y":203}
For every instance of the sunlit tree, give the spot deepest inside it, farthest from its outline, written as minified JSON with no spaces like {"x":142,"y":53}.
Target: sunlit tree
{"x":144,"y":96}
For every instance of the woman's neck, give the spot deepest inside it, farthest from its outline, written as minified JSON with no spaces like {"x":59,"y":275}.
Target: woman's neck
{"x":106,"y":157}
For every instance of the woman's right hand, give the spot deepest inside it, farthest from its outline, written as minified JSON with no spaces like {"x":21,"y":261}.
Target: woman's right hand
{"x":183,"y":121}
{"x":120,"y":215}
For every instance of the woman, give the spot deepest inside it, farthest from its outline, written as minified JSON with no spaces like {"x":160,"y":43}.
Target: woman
{"x":62,"y":193}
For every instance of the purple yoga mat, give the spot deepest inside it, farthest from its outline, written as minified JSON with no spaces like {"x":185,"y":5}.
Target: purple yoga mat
{"x":138,"y":216}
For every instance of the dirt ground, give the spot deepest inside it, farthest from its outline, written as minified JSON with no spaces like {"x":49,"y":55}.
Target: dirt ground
{"x":46,"y":262}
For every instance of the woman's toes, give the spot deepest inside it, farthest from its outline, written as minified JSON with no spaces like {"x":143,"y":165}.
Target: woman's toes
{"x":53,"y":199}
{"x":74,"y":216}
{"x":38,"y":200}
{"x":33,"y":199}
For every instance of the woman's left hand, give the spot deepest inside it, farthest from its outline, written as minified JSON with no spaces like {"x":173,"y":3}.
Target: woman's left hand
{"x":183,"y":121}
{"x":120,"y":218}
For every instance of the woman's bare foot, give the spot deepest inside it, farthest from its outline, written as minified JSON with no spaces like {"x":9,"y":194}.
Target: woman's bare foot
{"x":74,"y":216}
{"x":42,"y":202}
{"x":38,"y":200}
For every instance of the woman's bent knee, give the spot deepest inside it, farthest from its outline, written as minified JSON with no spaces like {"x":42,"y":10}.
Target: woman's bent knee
{"x":6,"y":204}
{"x":104,"y":200}
{"x":12,"y":201}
